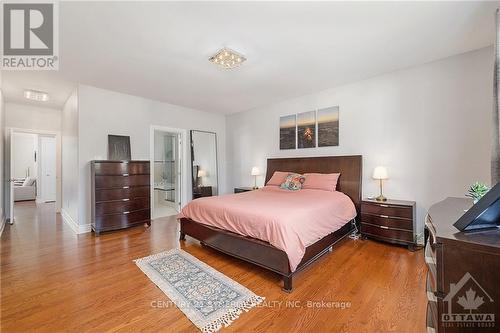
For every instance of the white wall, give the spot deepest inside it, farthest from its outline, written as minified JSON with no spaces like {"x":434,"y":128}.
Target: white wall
{"x":429,"y":125}
{"x":2,"y":158}
{"x":24,"y":154}
{"x":102,"y":112}
{"x":32,"y":117}
{"x":70,"y":174}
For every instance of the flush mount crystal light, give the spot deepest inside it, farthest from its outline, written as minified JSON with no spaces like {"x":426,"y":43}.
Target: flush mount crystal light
{"x":227,"y":58}
{"x":38,"y":96}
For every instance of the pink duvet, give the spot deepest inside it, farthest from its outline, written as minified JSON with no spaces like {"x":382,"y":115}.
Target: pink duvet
{"x":288,"y":220}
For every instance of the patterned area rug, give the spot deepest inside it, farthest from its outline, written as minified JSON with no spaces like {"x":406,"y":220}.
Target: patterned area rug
{"x":207,"y":297}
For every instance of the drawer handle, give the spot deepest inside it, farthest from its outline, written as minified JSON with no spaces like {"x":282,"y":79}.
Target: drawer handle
{"x":125,"y":199}
{"x":385,"y":216}
{"x":384,"y":227}
{"x":125,"y":187}
{"x":125,"y":213}
{"x":386,"y":206}
{"x":125,"y":175}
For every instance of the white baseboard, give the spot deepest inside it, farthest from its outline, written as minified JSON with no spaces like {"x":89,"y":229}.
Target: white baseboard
{"x":77,"y":229}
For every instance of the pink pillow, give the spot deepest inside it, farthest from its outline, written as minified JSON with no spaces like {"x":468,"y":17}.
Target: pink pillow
{"x":321,"y":181}
{"x":278,"y":178}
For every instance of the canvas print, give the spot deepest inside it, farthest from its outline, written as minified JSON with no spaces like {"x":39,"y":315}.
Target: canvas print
{"x":306,"y":129}
{"x":328,"y":127}
{"x":119,"y":148}
{"x":287,"y":132}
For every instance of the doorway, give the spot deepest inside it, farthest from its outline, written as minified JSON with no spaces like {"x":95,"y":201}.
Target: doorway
{"x":167,"y":151}
{"x":32,"y":170}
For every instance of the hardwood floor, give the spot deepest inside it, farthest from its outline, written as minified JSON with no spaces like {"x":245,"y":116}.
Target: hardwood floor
{"x":53,"y":281}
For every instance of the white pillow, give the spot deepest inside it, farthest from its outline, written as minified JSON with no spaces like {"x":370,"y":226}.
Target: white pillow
{"x":29,"y":181}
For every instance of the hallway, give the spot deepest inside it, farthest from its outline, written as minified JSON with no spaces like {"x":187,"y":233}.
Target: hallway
{"x":53,"y":279}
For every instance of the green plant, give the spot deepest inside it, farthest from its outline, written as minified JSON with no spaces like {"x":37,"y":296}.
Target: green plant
{"x":477,"y":191}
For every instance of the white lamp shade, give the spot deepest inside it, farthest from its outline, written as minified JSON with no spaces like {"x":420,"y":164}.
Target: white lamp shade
{"x":202,"y":173}
{"x":380,"y":172}
{"x":255,"y":171}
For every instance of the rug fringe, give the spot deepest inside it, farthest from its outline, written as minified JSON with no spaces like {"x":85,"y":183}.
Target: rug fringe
{"x":155,"y":256}
{"x":232,"y":314}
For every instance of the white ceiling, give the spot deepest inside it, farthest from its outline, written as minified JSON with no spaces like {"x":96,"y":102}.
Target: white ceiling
{"x":160,"y":50}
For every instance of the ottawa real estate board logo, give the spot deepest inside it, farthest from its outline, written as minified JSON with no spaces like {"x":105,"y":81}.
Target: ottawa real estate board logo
{"x":468,"y":305}
{"x":30,"y":38}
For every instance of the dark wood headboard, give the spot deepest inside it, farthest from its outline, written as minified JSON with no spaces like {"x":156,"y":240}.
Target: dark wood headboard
{"x":349,"y":167}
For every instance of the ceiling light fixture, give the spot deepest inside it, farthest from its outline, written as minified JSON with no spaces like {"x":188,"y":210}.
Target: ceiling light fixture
{"x":227,"y":58}
{"x":38,"y":96}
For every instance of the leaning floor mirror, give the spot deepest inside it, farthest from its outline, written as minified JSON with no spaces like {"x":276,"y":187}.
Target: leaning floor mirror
{"x":204,"y":163}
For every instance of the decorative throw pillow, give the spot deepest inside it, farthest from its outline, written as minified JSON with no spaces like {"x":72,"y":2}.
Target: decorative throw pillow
{"x":278,"y":178}
{"x":28,"y":181}
{"x":293,"y":182}
{"x":321,"y":181}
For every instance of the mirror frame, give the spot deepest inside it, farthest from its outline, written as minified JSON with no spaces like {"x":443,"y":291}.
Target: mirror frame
{"x":192,"y":158}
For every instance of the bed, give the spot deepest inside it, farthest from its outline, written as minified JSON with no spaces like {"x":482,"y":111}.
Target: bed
{"x":205,"y":220}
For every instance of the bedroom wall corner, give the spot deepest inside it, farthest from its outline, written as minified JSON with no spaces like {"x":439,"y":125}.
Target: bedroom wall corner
{"x":70,"y":189}
{"x":103,"y":112}
{"x":2,"y":159}
{"x":429,"y":125}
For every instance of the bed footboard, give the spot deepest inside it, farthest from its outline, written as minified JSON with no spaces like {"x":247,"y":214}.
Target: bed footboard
{"x":259,"y":252}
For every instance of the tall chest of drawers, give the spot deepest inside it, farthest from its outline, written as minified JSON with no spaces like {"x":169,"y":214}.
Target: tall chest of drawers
{"x":120,"y":194}
{"x":463,"y":277}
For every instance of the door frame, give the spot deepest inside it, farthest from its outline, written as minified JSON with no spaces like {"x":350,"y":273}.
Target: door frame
{"x":57,"y":135}
{"x":183,"y":164}
{"x":11,"y":218}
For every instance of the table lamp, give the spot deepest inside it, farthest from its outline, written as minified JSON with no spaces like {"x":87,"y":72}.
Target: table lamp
{"x":255,"y":172}
{"x":201,"y":174}
{"x":380,"y":173}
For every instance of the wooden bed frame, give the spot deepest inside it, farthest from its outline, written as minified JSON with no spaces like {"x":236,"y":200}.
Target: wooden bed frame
{"x":264,"y":254}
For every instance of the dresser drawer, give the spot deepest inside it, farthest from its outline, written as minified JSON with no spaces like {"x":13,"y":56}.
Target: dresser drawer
{"x":131,"y":168}
{"x":120,"y":206}
{"x":373,"y":230}
{"x":387,"y":210}
{"x":122,"y":193}
{"x":431,"y":287}
{"x":432,"y":232}
{"x":120,"y":181}
{"x":387,"y":221}
{"x":430,"y":254}
{"x":432,"y":317}
{"x":116,"y":221}
{"x":430,"y":260}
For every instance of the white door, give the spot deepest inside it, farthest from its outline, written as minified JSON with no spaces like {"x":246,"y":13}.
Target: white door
{"x":47,"y":174}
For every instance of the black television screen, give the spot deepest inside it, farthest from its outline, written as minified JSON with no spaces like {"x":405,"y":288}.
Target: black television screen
{"x":484,"y":214}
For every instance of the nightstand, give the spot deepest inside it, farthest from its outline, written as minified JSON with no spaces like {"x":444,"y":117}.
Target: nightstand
{"x":202,"y":191}
{"x":243,"y":189}
{"x":392,"y":221}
